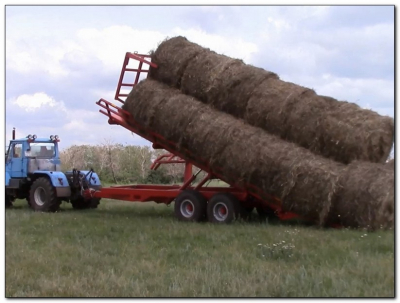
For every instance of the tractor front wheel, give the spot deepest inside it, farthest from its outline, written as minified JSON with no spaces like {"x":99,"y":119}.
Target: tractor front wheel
{"x":43,"y":196}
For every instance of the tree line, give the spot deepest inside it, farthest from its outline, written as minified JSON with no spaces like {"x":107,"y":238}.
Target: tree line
{"x":123,"y":164}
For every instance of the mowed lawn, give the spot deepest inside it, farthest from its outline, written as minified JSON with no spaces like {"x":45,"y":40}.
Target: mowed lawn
{"x":128,"y":249}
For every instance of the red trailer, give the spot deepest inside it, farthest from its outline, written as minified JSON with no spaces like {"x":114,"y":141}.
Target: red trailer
{"x":193,"y":201}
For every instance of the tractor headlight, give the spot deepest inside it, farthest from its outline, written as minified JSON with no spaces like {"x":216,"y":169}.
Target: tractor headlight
{"x":34,"y":137}
{"x":52,"y":138}
{"x":56,"y":137}
{"x":29,"y":136}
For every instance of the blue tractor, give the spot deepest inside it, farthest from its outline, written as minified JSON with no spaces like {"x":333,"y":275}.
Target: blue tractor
{"x":33,"y":173}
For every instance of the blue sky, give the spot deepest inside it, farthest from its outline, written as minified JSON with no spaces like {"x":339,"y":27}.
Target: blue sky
{"x":61,"y":60}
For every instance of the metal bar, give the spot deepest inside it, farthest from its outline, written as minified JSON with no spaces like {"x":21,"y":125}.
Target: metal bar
{"x":202,"y":182}
{"x":137,"y":70}
{"x":141,"y":59}
{"x":188,"y":182}
{"x":188,"y":171}
{"x":126,"y":84}
{"x":121,"y":76}
{"x":138,"y":73}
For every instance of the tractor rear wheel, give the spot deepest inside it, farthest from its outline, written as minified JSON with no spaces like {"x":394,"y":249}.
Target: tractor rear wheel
{"x":223,"y":208}
{"x":43,"y":196}
{"x":190,"y":205}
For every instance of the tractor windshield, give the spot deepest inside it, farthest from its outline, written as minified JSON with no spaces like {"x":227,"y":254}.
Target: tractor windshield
{"x":41,"y":150}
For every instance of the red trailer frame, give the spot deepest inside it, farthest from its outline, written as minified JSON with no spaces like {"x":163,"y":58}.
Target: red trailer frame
{"x":248,"y":194}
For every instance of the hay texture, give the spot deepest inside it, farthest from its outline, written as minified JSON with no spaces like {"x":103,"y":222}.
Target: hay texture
{"x":390,"y":164}
{"x":338,"y":130}
{"x":242,"y":154}
{"x":364,"y":197}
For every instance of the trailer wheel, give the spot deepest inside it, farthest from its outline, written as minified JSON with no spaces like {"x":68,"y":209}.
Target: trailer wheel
{"x":43,"y":197}
{"x":223,"y":208}
{"x":190,"y":205}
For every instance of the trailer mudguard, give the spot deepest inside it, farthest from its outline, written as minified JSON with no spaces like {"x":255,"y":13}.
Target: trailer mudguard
{"x":7,"y":179}
{"x":58,"y":180}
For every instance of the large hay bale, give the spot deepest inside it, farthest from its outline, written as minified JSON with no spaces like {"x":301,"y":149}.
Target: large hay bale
{"x":365,"y":197}
{"x":243,"y":154}
{"x":338,"y":130}
{"x":172,"y":59}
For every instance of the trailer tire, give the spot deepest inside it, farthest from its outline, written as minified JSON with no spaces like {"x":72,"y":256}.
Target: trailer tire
{"x":223,"y":208}
{"x":190,"y":205}
{"x":43,"y":196}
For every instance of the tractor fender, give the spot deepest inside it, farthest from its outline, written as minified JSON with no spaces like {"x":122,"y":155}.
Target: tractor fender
{"x":7,"y":179}
{"x":58,"y":180}
{"x":92,"y":178}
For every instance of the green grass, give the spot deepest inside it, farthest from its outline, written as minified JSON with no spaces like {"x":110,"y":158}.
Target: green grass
{"x":128,"y":249}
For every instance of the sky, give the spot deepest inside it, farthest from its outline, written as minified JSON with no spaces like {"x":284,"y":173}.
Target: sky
{"x":60,"y":60}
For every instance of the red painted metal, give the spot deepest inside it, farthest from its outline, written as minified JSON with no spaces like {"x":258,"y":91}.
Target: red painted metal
{"x":167,"y":193}
{"x":142,"y":59}
{"x":157,"y":193}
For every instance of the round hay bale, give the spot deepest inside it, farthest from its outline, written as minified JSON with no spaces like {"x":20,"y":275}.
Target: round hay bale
{"x":338,"y":130}
{"x":243,"y":154}
{"x":171,"y":57}
{"x":364,"y":197}
{"x":350,"y":133}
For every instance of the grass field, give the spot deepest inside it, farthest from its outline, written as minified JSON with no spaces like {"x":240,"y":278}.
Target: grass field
{"x":140,"y":250}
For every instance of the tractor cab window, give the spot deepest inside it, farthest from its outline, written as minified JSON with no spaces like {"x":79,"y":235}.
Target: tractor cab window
{"x":41,"y":150}
{"x":16,"y":150}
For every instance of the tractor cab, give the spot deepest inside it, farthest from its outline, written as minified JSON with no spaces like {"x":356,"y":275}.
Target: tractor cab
{"x":30,"y":154}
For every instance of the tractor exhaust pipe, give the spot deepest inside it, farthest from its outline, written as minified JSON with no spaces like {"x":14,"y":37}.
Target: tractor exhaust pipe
{"x":13,"y":133}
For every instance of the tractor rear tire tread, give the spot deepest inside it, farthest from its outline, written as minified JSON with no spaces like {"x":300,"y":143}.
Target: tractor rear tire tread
{"x":52,"y":203}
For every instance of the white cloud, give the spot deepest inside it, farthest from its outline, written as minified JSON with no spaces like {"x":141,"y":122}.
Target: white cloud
{"x":32,"y":103}
{"x":362,"y":91}
{"x":107,"y":46}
